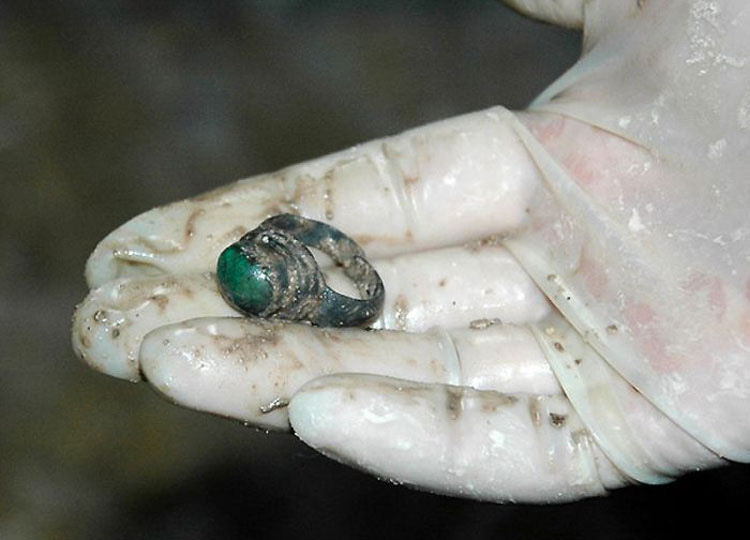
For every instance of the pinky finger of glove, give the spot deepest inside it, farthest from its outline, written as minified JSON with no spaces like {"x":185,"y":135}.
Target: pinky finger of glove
{"x":454,"y":440}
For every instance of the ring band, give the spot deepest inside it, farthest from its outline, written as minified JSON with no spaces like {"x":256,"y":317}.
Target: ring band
{"x":271,"y":273}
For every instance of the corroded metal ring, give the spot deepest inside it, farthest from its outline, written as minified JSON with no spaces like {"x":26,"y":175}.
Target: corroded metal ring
{"x":270,"y":273}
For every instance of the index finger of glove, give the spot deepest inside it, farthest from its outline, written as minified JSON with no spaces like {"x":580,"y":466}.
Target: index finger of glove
{"x":442,"y":184}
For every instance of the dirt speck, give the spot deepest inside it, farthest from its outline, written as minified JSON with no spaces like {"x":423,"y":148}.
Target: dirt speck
{"x":493,"y":240}
{"x":481,"y":324}
{"x":559,"y":346}
{"x":160,"y":300}
{"x":454,"y":397}
{"x":435,"y":366}
{"x":492,"y":401}
{"x":190,"y":223}
{"x":535,"y":412}
{"x":253,"y":346}
{"x":612,"y":329}
{"x":400,"y":312}
{"x":328,"y":195}
{"x":557,"y":420}
{"x":294,"y":363}
{"x":277,"y":403}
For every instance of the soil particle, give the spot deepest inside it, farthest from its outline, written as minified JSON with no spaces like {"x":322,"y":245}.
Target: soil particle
{"x":481,"y":324}
{"x":277,"y":403}
{"x":493,"y":240}
{"x":252,"y":347}
{"x":400,"y":312}
{"x":160,"y":300}
{"x":454,"y":401}
{"x":557,"y":420}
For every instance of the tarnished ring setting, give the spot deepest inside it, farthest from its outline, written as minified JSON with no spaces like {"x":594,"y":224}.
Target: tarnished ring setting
{"x":270,"y":273}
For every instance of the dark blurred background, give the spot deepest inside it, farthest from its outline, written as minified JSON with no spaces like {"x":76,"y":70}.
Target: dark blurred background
{"x":108,"y":108}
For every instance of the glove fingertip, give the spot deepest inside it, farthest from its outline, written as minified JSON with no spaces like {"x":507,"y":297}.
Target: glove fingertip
{"x":312,"y":411}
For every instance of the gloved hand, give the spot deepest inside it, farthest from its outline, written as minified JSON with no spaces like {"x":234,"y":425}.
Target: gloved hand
{"x":567,"y":288}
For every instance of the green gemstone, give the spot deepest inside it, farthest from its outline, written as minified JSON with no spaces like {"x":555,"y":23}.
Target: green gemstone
{"x":244,"y":284}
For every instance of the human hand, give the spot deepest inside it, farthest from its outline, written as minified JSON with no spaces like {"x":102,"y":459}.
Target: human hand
{"x":619,"y":197}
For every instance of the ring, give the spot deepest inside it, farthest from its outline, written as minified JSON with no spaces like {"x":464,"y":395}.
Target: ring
{"x":270,"y":273}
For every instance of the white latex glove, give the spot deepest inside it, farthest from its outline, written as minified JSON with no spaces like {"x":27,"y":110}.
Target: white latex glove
{"x":568,"y":289}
